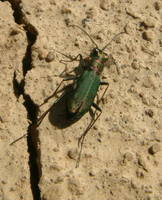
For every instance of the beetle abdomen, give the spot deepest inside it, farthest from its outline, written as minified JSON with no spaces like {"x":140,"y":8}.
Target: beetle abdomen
{"x":82,"y":97}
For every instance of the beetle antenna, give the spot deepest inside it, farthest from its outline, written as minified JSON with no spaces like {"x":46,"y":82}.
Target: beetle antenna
{"x":112,"y":40}
{"x":86,"y":34}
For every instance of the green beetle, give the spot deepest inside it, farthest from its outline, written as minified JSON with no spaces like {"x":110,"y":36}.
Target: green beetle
{"x":86,"y":86}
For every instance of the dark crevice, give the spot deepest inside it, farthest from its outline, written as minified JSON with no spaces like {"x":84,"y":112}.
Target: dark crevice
{"x":31,"y":107}
{"x":18,"y":87}
{"x":33,"y":150}
{"x":27,"y":61}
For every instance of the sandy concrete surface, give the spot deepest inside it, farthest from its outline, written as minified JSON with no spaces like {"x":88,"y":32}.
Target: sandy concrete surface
{"x":122,"y":153}
{"x":14,"y":168}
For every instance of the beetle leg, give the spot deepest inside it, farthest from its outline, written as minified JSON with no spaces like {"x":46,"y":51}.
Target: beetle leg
{"x":97,"y":107}
{"x":81,"y":139}
{"x":25,"y":135}
{"x":40,"y":119}
{"x":91,"y":113}
{"x":113,"y":61}
{"x":77,"y":70}
{"x":46,"y":100}
{"x":55,"y":92}
{"x":104,"y":83}
{"x":70,"y":78}
{"x":71,"y":58}
{"x":93,"y":121}
{"x":67,"y":75}
{"x":83,"y":63}
{"x":43,"y":116}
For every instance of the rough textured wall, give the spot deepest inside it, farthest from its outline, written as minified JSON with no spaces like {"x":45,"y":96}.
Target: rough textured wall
{"x":122,"y":154}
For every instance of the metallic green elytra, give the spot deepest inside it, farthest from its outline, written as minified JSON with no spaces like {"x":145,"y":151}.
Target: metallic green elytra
{"x":86,"y":86}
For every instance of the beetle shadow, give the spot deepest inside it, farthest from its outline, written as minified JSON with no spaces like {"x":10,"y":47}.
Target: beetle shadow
{"x":58,"y":115}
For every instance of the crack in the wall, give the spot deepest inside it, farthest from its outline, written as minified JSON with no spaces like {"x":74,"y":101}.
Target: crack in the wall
{"x":18,"y":87}
{"x":34,"y":152}
{"x":31,"y":107}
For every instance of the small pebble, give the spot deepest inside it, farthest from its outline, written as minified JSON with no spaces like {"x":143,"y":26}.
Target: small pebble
{"x":128,"y":156}
{"x":160,"y":183}
{"x":148,"y":35}
{"x":160,"y":28}
{"x":148,"y":82}
{"x":65,"y":10}
{"x":104,"y":5}
{"x":59,"y":179}
{"x":140,"y":173}
{"x":75,"y":186}
{"x":149,"y":22}
{"x":55,"y":149}
{"x":133,"y":13}
{"x":154,"y":148}
{"x":135,"y":64}
{"x":42,"y":53}
{"x":52,"y":2}
{"x":3,"y":182}
{"x":158,"y":5}
{"x":50,"y":57}
{"x":67,"y":21}
{"x":160,"y":42}
{"x":144,"y":98}
{"x":72,"y":153}
{"x":129,"y":29}
{"x":14,"y":32}
{"x":90,"y":13}
{"x":149,"y":112}
{"x":147,"y":188}
{"x":92,"y":172}
{"x":142,"y":163}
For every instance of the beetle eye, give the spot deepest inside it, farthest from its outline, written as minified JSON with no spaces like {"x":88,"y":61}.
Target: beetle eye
{"x":95,"y":52}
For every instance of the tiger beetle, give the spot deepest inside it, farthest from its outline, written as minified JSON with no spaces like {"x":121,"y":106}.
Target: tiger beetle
{"x":85,"y":87}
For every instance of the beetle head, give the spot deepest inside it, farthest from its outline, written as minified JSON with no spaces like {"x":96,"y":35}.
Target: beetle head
{"x":98,"y":59}
{"x":99,"y":54}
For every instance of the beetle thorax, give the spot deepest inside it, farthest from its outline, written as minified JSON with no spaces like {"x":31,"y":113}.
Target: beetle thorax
{"x":99,"y":59}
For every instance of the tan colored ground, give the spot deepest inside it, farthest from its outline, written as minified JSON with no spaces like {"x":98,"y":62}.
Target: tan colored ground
{"x":122,"y":153}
